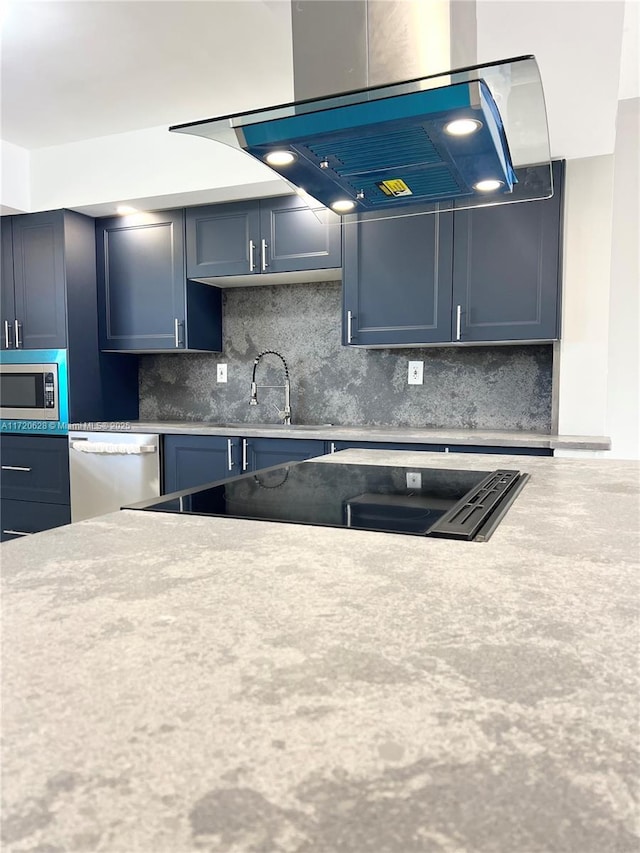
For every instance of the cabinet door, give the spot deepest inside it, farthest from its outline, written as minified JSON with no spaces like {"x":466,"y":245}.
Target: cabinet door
{"x":397,"y":280}
{"x":141,"y":281}
{"x":335,"y":446}
{"x":264,"y":452}
{"x":35,"y":468}
{"x":194,"y":460}
{"x":21,"y":518}
{"x":295,"y":238}
{"x":39,"y":280}
{"x":506,"y":269}
{"x":7,"y":302}
{"x":223,"y":239}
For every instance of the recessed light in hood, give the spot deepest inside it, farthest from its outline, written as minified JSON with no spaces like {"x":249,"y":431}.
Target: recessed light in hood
{"x":469,"y":137}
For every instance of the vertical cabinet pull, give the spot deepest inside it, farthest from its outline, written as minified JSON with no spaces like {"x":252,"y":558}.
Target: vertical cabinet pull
{"x":265,"y":246}
{"x":332,"y":447}
{"x":244,"y":454}
{"x":229,"y":455}
{"x":252,"y":256}
{"x":7,"y":335}
{"x":458,"y":322}
{"x":18,"y":340}
{"x":349,"y":327}
{"x":176,"y":332}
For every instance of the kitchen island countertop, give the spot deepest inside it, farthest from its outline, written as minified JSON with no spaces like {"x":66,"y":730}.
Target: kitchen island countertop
{"x":174,"y":684}
{"x":335,"y":432}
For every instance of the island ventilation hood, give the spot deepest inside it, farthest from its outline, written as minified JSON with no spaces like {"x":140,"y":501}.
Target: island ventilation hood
{"x":463,"y":138}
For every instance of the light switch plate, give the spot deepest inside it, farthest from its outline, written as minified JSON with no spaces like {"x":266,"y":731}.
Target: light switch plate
{"x":221,"y":374}
{"x":416,"y":373}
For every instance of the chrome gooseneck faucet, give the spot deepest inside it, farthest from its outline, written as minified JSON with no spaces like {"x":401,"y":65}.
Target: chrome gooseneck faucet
{"x":286,"y":413}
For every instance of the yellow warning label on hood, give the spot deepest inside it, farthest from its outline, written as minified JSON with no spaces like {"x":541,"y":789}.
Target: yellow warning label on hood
{"x":394,"y":187}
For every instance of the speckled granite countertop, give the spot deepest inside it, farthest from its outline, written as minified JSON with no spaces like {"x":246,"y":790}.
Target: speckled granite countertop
{"x":174,"y":684}
{"x":330,"y":432}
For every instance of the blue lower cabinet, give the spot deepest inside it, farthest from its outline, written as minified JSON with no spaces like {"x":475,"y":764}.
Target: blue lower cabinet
{"x":22,"y":518}
{"x":194,"y":460}
{"x":506,"y":451}
{"x":35,"y":468}
{"x":334,"y":446}
{"x":259,"y":453}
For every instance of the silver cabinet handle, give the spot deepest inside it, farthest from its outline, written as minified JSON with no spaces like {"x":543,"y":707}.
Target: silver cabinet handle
{"x":229,"y":455}
{"x":458,"y":322}
{"x":252,"y":256}
{"x":265,"y":246}
{"x":17,"y":532}
{"x":176,"y":331}
{"x":244,"y":454}
{"x":332,"y":447}
{"x":17,"y":326}
{"x":349,"y":327}
{"x":7,"y":335}
{"x":14,"y":468}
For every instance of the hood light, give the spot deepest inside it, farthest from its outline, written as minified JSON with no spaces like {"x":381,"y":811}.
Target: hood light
{"x":343,"y":205}
{"x":487,"y":186}
{"x":280,"y":158}
{"x":125,"y":209}
{"x":462,"y":126}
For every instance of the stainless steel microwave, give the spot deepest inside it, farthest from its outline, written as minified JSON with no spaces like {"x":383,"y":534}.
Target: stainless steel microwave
{"x":29,"y":392}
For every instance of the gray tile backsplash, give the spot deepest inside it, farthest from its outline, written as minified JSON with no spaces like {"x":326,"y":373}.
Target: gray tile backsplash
{"x":493,"y":387}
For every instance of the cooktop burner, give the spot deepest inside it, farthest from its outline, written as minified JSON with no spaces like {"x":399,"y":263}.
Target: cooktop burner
{"x":438,"y":502}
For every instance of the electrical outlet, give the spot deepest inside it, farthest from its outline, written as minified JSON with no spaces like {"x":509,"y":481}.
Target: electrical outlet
{"x":222,"y":373}
{"x":414,"y":480}
{"x":416,"y":372}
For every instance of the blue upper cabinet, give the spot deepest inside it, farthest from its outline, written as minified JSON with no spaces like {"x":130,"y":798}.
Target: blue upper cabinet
{"x":507,"y":267}
{"x":223,"y":239}
{"x":294,"y":239}
{"x":397,"y":280}
{"x":146,"y":302}
{"x":33,"y":281}
{"x":7,"y":292}
{"x":486,"y":274}
{"x":259,"y":238}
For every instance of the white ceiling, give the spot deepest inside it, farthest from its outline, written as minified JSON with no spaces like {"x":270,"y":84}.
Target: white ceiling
{"x":78,"y":69}
{"x":88,"y":68}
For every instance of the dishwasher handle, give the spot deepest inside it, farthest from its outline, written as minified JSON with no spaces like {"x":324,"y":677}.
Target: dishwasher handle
{"x":104,"y":448}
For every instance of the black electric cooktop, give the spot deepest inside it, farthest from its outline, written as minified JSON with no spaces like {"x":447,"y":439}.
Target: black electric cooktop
{"x":440,"y":502}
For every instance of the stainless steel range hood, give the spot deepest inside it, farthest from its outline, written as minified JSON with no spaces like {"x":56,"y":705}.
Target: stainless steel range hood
{"x":462,"y":138}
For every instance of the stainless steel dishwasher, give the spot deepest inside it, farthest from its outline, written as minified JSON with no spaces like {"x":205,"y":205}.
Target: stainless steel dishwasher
{"x":111,"y":469}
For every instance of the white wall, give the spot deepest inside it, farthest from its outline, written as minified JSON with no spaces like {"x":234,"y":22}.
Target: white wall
{"x":585,"y":307}
{"x":15,"y":181}
{"x":623,"y":390}
{"x":599,"y":354}
{"x":578,"y":46}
